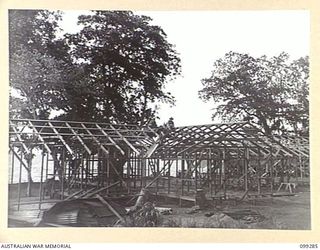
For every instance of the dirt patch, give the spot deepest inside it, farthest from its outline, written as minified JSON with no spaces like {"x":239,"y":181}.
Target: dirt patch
{"x":291,"y":213}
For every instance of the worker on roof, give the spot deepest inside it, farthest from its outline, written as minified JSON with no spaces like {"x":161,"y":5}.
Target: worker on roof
{"x":171,"y":124}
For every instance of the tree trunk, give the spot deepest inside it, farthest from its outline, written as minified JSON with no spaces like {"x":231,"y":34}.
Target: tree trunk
{"x":29,"y":187}
{"x":266,"y":127}
{"x":143,"y":197}
{"x":28,"y":158}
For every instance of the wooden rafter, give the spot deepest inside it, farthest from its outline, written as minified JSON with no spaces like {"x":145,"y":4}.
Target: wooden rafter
{"x":111,"y":140}
{"x":125,"y":140}
{"x":95,"y":139}
{"x":61,"y":139}
{"x":79,"y":139}
{"x":52,"y":132}
{"x":39,"y":136}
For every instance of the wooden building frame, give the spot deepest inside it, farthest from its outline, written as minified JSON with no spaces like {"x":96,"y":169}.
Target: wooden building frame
{"x":221,"y":159}
{"x":216,"y":156}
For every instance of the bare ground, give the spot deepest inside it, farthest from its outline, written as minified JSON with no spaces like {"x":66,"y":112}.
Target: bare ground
{"x":286,"y":212}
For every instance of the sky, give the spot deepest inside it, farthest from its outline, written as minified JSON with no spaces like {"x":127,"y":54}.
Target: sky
{"x":201,"y":37}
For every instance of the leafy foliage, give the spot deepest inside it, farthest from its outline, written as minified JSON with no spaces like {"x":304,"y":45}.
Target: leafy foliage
{"x":271,"y":91}
{"x":32,"y":29}
{"x":35,"y":72}
{"x":38,"y":78}
{"x":112,"y":70}
{"x":127,"y":62}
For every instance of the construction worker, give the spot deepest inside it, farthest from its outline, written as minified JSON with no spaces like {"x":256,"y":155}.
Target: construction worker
{"x":171,"y":124}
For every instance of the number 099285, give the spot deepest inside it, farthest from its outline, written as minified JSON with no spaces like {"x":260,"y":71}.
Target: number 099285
{"x":309,"y":246}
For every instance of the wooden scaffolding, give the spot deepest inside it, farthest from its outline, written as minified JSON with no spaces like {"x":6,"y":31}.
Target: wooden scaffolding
{"x":86,"y":158}
{"x":231,"y":158}
{"x":80,"y":156}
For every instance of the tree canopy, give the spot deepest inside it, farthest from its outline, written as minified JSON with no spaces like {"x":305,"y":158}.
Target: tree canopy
{"x":36,"y":68}
{"x":273,"y":92}
{"x":111,"y":70}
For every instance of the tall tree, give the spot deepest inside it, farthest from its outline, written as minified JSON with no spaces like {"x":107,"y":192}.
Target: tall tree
{"x":36,"y":72}
{"x":36,"y":67}
{"x":127,"y":61}
{"x":112,"y":70}
{"x":271,"y":91}
{"x":33,"y":29}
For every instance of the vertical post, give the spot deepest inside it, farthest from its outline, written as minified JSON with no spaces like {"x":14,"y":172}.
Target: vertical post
{"x":220,"y":170}
{"x":69,"y":177}
{"x":129,"y":171}
{"x":47,"y":165}
{"x":143,"y":170}
{"x":86,"y":172}
{"x":41,"y":178}
{"x":168,"y":175}
{"x":103,"y":162}
{"x":76,"y":170}
{"x":215,"y":176}
{"x":92,"y":167}
{"x":108,"y":173}
{"x":300,"y":160}
{"x":54,"y":158}
{"x":29,"y":174}
{"x":19,"y":184}
{"x":140,"y":170}
{"x":300,"y":166}
{"x":296,"y":171}
{"x":188,"y":175}
{"x":259,"y":172}
{"x":245,"y":169}
{"x":147,"y":166}
{"x":158,"y":172}
{"x":196,"y":173}
{"x":271,"y":170}
{"x":182,"y":173}
{"x":99,"y":171}
{"x":134,"y":170}
{"x":62,"y":173}
{"x":219,"y":181}
{"x":81,"y":169}
{"x":177,"y":171}
{"x":209,"y":172}
{"x":223,"y":166}
{"x":12,"y":167}
{"x":225,"y":180}
{"x":158,"y":167}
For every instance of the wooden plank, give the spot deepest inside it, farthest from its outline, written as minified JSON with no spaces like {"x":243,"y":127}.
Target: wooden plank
{"x":61,"y":139}
{"x":79,"y":139}
{"x":117,"y":173}
{"x":17,"y":133}
{"x":185,"y":134}
{"x":110,"y":139}
{"x":151,"y":150}
{"x":111,"y":208}
{"x":19,"y":158}
{"x":95,"y":139}
{"x":212,"y":138}
{"x":73,"y":195}
{"x":244,"y":195}
{"x":178,"y":197}
{"x":157,"y":177}
{"x":125,"y":140}
{"x":100,"y":190}
{"x":40,"y":137}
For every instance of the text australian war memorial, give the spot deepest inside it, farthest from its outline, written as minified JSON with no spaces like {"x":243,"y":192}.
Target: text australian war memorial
{"x":87,"y":148}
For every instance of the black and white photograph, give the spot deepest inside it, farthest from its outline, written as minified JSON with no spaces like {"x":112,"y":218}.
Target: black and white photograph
{"x":167,"y":119}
